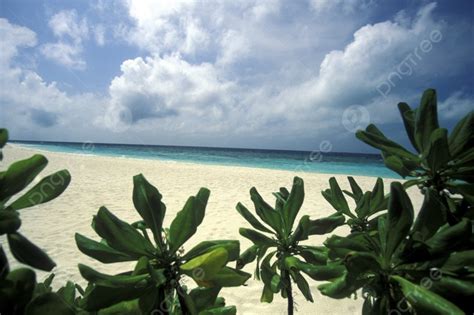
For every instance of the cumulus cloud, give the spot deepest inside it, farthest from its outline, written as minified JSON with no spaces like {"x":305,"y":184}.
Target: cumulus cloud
{"x":70,"y":31}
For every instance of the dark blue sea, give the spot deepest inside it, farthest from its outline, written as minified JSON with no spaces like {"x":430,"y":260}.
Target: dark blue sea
{"x":298,"y":161}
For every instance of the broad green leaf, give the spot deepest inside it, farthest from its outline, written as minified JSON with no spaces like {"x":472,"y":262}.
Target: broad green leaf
{"x":47,"y":189}
{"x":338,"y":197}
{"x":431,"y":217}
{"x":49,"y":303}
{"x":356,"y":190}
{"x":378,"y":201}
{"x":458,"y":261}
{"x":426,"y":120}
{"x":325,"y":225}
{"x":450,"y":286}
{"x":256,"y":237}
{"x":462,"y":136}
{"x":267,"y":295}
{"x":18,"y":290}
{"x":266,"y":272}
{"x":187,"y":220}
{"x":251,"y":219}
{"x":399,"y":219}
{"x":265,"y":211}
{"x":449,"y":238}
{"x":3,"y":137}
{"x":10,"y":221}
{"x":226,"y":277}
{"x":205,"y":266}
{"x":147,"y":201}
{"x":380,"y":142}
{"x":68,"y":293}
{"x":115,"y":281}
{"x":408,"y":117}
{"x":293,"y":204}
{"x":28,"y":253}
{"x":314,"y":255}
{"x":223,"y":310}
{"x":301,"y":232}
{"x":302,"y":285}
{"x":20,"y":174}
{"x":247,"y":256}
{"x":204,"y":297}
{"x":319,"y":273}
{"x":340,"y":246}
{"x":341,"y":287}
{"x":100,"y":251}
{"x":438,"y":154}
{"x":100,"y":297}
{"x":362,"y":262}
{"x":423,"y":300}
{"x":120,"y":235}
{"x":396,"y":164}
{"x":232,"y":247}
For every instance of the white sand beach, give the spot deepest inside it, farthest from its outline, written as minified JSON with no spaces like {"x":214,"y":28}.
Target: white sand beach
{"x":98,"y":180}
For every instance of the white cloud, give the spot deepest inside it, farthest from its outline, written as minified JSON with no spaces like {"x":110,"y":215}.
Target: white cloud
{"x":99,"y":34}
{"x":12,"y":37}
{"x":71,"y":31}
{"x":456,"y":105}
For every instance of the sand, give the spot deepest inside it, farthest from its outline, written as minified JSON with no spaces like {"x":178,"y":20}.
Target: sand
{"x":99,"y":180}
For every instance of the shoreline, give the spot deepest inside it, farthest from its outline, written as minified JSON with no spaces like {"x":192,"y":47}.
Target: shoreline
{"x":298,"y":169}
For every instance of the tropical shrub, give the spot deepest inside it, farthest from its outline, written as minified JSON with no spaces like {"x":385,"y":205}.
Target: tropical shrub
{"x":17,"y":287}
{"x":407,"y":263}
{"x":278,"y":254}
{"x":155,"y":283}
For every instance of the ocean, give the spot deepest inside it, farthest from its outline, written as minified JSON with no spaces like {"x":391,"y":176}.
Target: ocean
{"x":298,"y":161}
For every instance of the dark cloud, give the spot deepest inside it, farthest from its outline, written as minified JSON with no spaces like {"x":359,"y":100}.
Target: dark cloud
{"x":43,"y":118}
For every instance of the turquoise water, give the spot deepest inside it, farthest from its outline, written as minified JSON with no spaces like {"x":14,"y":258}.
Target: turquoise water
{"x":300,"y":161}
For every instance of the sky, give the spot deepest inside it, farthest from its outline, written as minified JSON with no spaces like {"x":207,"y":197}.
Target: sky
{"x":274,"y":74}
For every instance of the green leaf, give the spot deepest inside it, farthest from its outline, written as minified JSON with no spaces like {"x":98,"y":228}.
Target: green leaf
{"x":100,"y":251}
{"x":256,"y":237}
{"x":321,"y":273}
{"x":408,"y":117}
{"x":3,"y":137}
{"x":373,"y":137}
{"x":449,"y":238}
{"x":48,"y":303}
{"x":438,"y":151}
{"x":293,"y":204}
{"x":378,"y":201}
{"x":462,"y":136}
{"x":10,"y":221}
{"x":267,"y":295}
{"x":28,"y":253}
{"x":325,"y":225}
{"x":20,"y":174}
{"x":317,"y":255}
{"x":431,"y":217}
{"x":341,"y":287}
{"x":423,"y":300}
{"x":338,"y":197}
{"x":400,"y":217}
{"x":187,"y":220}
{"x":147,"y":202}
{"x":302,"y":285}
{"x":426,"y":120}
{"x":362,"y":262}
{"x":205,"y":266}
{"x":100,"y":297}
{"x":247,"y":256}
{"x":396,"y":164}
{"x":68,"y":293}
{"x":301,"y":232}
{"x":356,"y":190}
{"x":232,"y":247}
{"x":265,"y":211}
{"x":116,"y":281}
{"x":204,"y":297}
{"x":47,"y":189}
{"x":227,"y":277}
{"x":17,"y":290}
{"x":251,"y":219}
{"x":450,"y":286}
{"x":121,"y":235}
{"x":223,"y":310}
{"x":458,"y":261}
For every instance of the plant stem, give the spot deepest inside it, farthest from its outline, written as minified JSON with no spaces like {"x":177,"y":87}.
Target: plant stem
{"x":289,"y":294}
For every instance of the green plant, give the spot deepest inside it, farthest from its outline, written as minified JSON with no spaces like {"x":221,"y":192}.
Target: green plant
{"x":442,"y":162}
{"x":283,"y":244}
{"x":367,"y":204}
{"x":17,"y":286}
{"x":155,"y":283}
{"x":407,"y":263}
